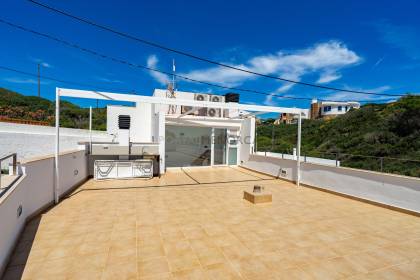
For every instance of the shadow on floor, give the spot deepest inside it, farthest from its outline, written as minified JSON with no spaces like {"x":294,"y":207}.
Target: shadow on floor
{"x":17,"y":263}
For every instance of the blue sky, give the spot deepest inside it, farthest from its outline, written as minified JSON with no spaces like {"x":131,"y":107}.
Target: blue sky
{"x":363,"y":45}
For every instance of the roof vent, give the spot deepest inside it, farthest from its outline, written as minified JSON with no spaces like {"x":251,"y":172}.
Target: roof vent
{"x":124,"y":122}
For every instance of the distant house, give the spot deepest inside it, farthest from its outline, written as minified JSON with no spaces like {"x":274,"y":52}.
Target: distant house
{"x":331,"y":109}
{"x":287,"y":118}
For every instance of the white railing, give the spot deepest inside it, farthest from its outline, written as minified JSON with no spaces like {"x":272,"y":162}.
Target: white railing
{"x":12,"y":173}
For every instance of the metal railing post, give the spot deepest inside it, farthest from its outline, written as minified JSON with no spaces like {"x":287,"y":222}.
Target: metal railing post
{"x":14,"y":164}
{"x":382,"y":163}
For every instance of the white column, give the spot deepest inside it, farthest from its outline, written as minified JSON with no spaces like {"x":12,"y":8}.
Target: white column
{"x":212,"y":147}
{"x":90,"y":129}
{"x":161,"y":139}
{"x":298,"y":149}
{"x":57,"y":146}
{"x":252,"y":139}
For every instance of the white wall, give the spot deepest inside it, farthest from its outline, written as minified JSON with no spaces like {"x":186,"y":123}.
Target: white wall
{"x":161,"y":138}
{"x":33,"y":191}
{"x":398,"y":191}
{"x":247,"y":137}
{"x":190,"y":96}
{"x":141,"y":124}
{"x":394,"y":190}
{"x":33,"y":140}
{"x":272,"y":166}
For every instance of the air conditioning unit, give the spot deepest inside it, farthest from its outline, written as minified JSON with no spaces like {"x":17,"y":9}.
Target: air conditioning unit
{"x":215,"y":112}
{"x":185,"y":109}
{"x":201,"y":97}
{"x":217,"y":98}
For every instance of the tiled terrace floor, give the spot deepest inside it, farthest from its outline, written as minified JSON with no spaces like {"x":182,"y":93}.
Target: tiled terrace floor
{"x":142,"y":229}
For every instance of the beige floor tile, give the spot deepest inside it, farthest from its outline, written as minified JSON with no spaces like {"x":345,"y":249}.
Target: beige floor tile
{"x":290,"y":274}
{"x":251,"y":268}
{"x":368,"y":260}
{"x":183,"y":261}
{"x":388,"y":274}
{"x":149,"y":252}
{"x":123,"y":271}
{"x":410,"y":269}
{"x":221,"y":271}
{"x":190,"y":274}
{"x":210,"y":256}
{"x":152,"y":267}
{"x":162,"y":229}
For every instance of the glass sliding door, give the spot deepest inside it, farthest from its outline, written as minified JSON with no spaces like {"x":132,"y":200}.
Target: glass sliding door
{"x":233,"y":156}
{"x":187,"y":146}
{"x":220,"y":143}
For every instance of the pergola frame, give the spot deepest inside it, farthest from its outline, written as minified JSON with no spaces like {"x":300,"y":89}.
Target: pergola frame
{"x":87,"y":94}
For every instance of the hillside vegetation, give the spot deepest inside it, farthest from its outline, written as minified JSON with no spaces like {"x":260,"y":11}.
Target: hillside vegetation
{"x":375,"y":130}
{"x":17,"y":106}
{"x":358,"y":139}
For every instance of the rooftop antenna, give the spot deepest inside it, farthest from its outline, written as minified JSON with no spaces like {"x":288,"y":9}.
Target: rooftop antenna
{"x":171,"y":90}
{"x":173,"y":74}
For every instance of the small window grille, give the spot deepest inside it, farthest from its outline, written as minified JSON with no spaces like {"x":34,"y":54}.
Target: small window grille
{"x":124,"y":122}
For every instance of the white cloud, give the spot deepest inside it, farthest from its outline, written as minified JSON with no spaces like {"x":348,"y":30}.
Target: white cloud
{"x":41,"y":62}
{"x":103,"y":79}
{"x":328,"y":77}
{"x":46,"y":65}
{"x":350,"y":96}
{"x":379,"y":61}
{"x":327,"y":58}
{"x":324,"y":59}
{"x":403,"y":37}
{"x":161,"y":78}
{"x":24,"y":81}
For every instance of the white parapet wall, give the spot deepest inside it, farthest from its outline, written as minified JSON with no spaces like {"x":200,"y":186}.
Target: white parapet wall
{"x":303,"y":158}
{"x":33,"y":140}
{"x":33,"y":192}
{"x":398,"y":191}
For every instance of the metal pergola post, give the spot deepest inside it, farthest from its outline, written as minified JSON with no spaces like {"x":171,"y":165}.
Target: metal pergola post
{"x":57,"y":146}
{"x":298,"y":149}
{"x":90,"y":129}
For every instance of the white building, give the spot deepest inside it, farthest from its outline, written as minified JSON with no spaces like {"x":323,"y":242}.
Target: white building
{"x":184,"y":135}
{"x":328,"y":109}
{"x":287,"y":118}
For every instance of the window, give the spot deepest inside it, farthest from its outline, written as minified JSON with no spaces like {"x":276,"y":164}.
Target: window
{"x":340,"y":108}
{"x":346,"y":108}
{"x":325,"y":108}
